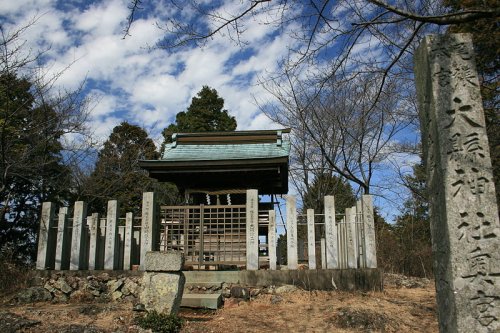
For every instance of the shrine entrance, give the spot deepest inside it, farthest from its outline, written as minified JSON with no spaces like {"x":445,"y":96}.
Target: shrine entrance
{"x":207,"y":235}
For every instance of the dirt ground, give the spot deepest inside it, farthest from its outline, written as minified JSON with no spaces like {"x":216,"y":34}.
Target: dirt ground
{"x":404,"y":306}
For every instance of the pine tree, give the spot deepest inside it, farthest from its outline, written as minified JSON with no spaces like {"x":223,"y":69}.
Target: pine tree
{"x":117,"y":174}
{"x":205,"y":114}
{"x":31,"y":161}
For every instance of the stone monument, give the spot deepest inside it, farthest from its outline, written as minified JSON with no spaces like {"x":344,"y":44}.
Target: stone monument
{"x":163,"y":281}
{"x":464,"y":215}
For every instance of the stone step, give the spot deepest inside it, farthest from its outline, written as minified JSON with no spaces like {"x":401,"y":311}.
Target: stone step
{"x":206,"y":301}
{"x":203,"y":284}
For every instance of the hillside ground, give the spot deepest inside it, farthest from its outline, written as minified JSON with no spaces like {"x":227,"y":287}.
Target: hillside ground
{"x":405,"y":305}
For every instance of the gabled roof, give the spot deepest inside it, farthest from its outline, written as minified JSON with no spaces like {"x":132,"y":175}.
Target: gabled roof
{"x":225,"y":160}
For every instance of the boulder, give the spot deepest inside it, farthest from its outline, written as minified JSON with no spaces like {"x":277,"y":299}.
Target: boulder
{"x":162,"y":291}
{"x":156,"y":261}
{"x":288,"y":288}
{"x":33,"y":294}
{"x":63,"y":286}
{"x":240,"y":292}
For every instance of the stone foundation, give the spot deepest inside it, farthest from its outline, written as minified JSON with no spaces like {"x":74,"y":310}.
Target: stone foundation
{"x":93,"y":286}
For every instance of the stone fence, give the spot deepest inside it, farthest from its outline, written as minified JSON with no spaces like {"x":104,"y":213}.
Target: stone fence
{"x":81,"y":242}
{"x":346,"y":239}
{"x":90,"y":242}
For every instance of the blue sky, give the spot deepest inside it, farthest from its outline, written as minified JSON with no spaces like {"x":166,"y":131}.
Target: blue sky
{"x":131,"y":81}
{"x":148,"y":86}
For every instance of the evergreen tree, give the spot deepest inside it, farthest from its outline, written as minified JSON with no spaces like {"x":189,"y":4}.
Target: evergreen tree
{"x":117,"y":174}
{"x":412,"y":228}
{"x":31,"y":163}
{"x":328,"y":184}
{"x":205,"y":114}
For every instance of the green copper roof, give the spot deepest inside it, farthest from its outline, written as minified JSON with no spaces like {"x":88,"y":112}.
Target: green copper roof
{"x":211,"y":152}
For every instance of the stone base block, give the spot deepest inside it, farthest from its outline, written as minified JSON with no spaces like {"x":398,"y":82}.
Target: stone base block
{"x":162,"y":291}
{"x":156,"y":261}
{"x":205,"y":301}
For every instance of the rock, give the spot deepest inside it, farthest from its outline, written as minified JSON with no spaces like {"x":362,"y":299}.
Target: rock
{"x":49,"y":287}
{"x":226,"y":292}
{"x":276,"y":299}
{"x":139,"y":307}
{"x":12,"y":323}
{"x":33,"y":294}
{"x":80,"y":295}
{"x":240,"y":292}
{"x":104,"y":277}
{"x":129,"y":298}
{"x":288,"y":288}
{"x":156,"y":261}
{"x":114,"y":285}
{"x":255,"y":292}
{"x":116,"y":295}
{"x":93,"y":285}
{"x":95,"y":293}
{"x":63,"y":286}
{"x":60,"y":297}
{"x":162,"y":291}
{"x":129,"y":287}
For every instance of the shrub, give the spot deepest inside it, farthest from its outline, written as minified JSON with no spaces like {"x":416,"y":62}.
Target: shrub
{"x":159,"y":322}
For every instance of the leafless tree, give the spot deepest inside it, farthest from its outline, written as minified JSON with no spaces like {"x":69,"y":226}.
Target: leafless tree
{"x":338,"y":130}
{"x":345,"y":85}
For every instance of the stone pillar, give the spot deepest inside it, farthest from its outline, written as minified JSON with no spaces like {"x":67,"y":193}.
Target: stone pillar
{"x":78,"y":234}
{"x":331,"y":233}
{"x":62,"y":225}
{"x":323,"y":253}
{"x":291,"y":232}
{"x":127,"y":246}
{"x":44,"y":239}
{"x":464,"y":214}
{"x":360,"y":234}
{"x":111,"y":236}
{"x":149,"y":225}
{"x":369,"y":228}
{"x":252,"y":230}
{"x":93,"y":223}
{"x":271,"y":236}
{"x":352,"y":253}
{"x":311,"y":239}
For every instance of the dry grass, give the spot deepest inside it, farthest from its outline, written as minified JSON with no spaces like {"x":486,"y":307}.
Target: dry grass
{"x":394,"y":310}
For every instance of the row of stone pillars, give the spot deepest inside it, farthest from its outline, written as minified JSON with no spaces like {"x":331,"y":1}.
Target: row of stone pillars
{"x":74,"y":243}
{"x":348,"y":243}
{"x":62,"y":238}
